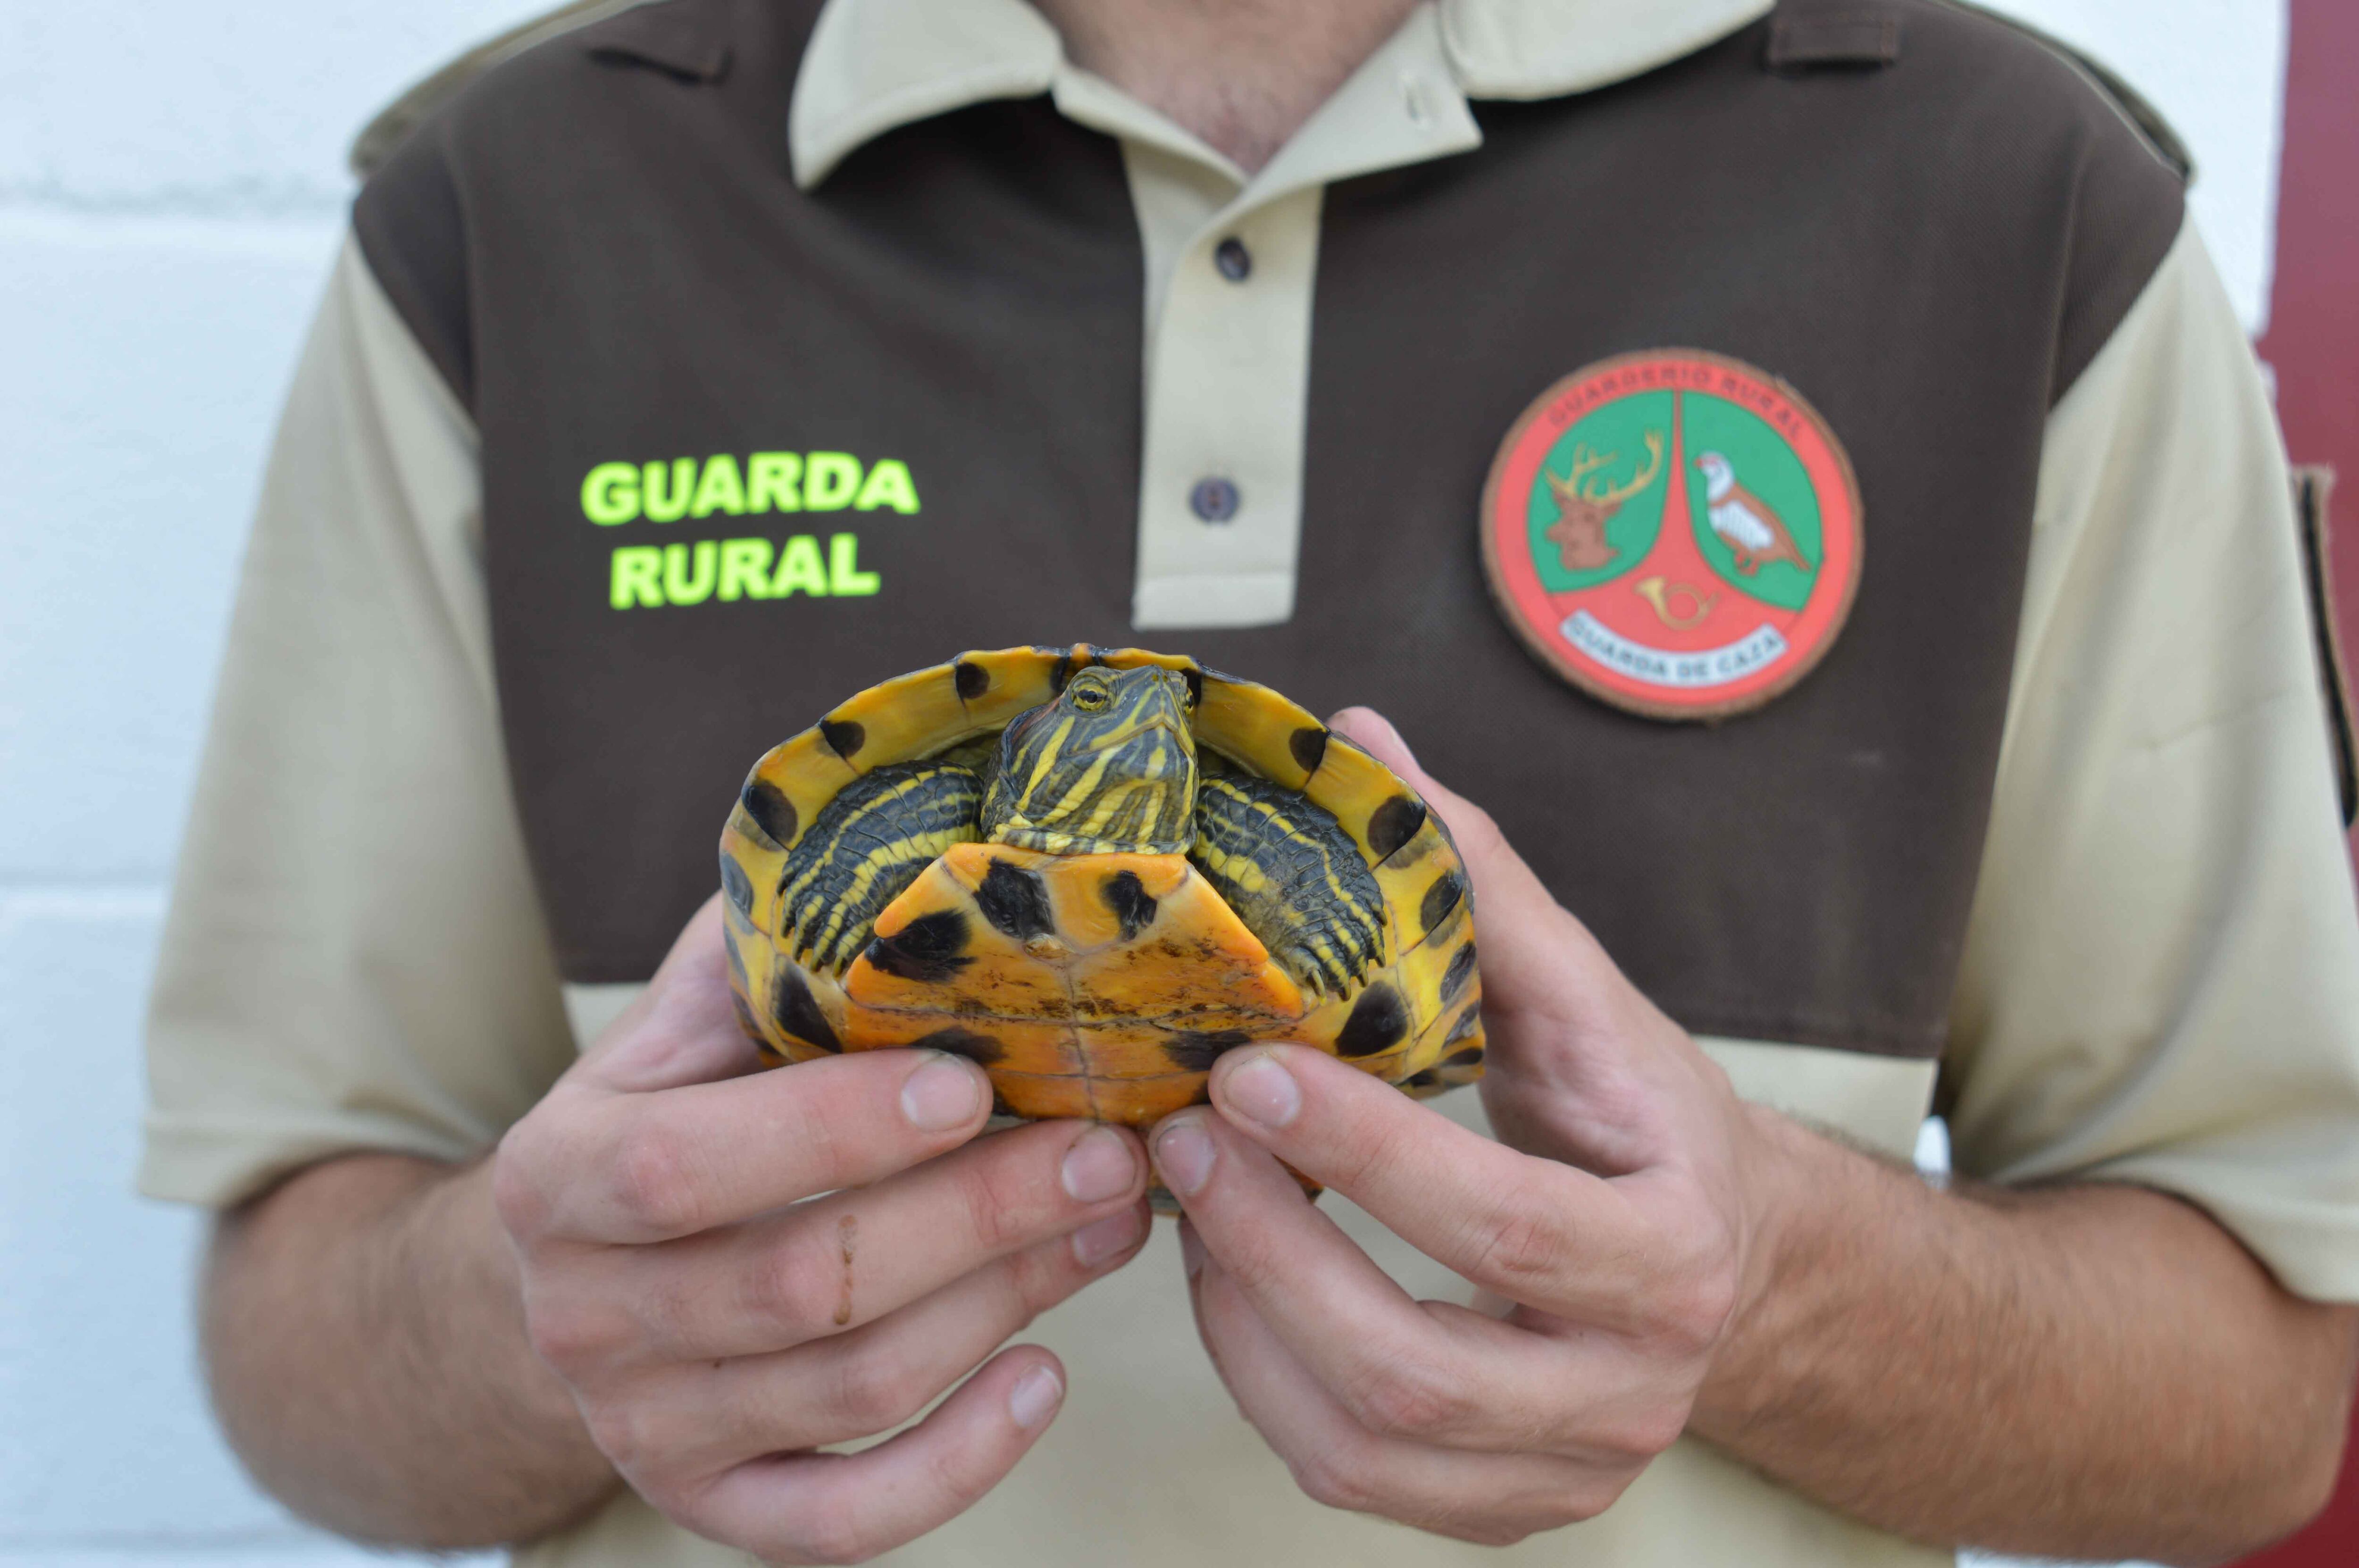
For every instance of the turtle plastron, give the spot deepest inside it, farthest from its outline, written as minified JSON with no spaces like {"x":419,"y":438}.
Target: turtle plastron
{"x":1112,"y":973}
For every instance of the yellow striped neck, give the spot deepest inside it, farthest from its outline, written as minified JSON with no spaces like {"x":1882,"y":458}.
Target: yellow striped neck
{"x":1108,"y":768}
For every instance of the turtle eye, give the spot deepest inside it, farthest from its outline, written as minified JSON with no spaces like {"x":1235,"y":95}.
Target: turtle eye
{"x":1090,"y":695}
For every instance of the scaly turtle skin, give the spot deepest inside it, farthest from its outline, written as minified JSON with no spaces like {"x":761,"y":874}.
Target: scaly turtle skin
{"x":1093,"y":872}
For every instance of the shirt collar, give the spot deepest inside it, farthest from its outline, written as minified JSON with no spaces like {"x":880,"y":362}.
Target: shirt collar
{"x":873,"y":65}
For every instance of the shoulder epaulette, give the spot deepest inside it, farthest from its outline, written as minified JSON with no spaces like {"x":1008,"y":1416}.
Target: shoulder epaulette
{"x":1816,"y":35}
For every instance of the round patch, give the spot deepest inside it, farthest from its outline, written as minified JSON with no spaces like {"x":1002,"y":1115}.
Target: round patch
{"x":1675,"y":532}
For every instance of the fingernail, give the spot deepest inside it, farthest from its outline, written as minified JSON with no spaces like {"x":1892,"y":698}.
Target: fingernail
{"x":943,"y":1094}
{"x":1184,"y":1155}
{"x":1035,"y":1397}
{"x":1100,"y":1239}
{"x":1258,"y":1087}
{"x":1099,"y":1166}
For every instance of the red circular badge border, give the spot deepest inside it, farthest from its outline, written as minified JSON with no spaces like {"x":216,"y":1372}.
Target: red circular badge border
{"x":1821,"y":626}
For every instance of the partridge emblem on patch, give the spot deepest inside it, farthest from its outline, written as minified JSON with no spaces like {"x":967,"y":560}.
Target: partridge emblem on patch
{"x":1674,"y":532}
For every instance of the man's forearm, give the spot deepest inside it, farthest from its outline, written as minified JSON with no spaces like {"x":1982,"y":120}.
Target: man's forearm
{"x":367,"y":1351}
{"x":2096,"y":1372}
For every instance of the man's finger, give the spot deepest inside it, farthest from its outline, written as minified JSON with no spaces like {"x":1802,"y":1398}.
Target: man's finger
{"x":836,"y":1262}
{"x":1499,"y":871}
{"x":1361,"y":1336}
{"x":1535,"y":956}
{"x":704,"y":1417}
{"x":1490,"y":1497}
{"x":651,"y":1167}
{"x":848,"y":1507}
{"x":1535,"y":1231}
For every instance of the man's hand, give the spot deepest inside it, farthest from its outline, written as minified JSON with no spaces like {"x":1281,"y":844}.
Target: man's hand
{"x":1965,"y":1367}
{"x":718,"y":1318}
{"x":1623,"y":1241}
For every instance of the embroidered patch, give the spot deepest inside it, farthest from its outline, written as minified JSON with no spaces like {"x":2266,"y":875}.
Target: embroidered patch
{"x":1674,"y":532}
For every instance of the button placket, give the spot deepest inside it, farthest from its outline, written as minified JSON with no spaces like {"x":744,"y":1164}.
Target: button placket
{"x":1214,"y":499}
{"x":1228,"y":346}
{"x":1220,"y":491}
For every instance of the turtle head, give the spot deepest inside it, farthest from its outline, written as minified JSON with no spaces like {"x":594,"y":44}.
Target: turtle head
{"x":1108,"y":767}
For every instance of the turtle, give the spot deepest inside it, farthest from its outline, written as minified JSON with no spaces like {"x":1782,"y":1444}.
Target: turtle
{"x":1093,"y":872}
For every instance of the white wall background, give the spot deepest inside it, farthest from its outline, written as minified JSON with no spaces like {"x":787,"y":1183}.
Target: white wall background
{"x":171,"y":190}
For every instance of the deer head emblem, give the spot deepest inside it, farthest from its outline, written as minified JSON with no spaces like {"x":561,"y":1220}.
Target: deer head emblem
{"x":1586,"y":500}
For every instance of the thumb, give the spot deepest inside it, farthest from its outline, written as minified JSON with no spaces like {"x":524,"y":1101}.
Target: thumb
{"x":1578,"y":1055}
{"x":1532,"y":949}
{"x":682,"y":1028}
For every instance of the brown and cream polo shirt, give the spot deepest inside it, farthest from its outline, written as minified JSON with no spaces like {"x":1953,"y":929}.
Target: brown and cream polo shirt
{"x":713,"y":358}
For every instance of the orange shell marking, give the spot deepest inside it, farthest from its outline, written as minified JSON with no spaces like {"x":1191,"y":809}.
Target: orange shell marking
{"x":1076,"y":1021}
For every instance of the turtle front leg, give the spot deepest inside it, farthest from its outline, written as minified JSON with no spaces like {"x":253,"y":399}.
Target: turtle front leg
{"x":1294,"y":878}
{"x":866,"y":846}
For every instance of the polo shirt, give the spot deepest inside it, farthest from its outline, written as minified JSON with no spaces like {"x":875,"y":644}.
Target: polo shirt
{"x":2049,"y":838}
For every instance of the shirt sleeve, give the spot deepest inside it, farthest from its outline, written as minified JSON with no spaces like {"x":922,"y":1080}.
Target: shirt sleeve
{"x":354,"y":958}
{"x":2160,"y":980}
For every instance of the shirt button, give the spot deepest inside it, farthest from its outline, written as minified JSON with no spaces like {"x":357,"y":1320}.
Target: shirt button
{"x":1213,"y":500}
{"x":1234,"y":261}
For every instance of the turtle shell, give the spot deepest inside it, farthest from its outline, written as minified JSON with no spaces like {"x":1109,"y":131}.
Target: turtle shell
{"x":1093,"y":985}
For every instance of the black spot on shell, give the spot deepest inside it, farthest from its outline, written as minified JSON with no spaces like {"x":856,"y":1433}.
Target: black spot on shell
{"x":735,"y":886}
{"x":797,"y":1012}
{"x":1194,"y":1051}
{"x":745,"y":1019}
{"x":1466,"y":1023}
{"x":1015,"y":901}
{"x":1308,"y":744}
{"x":843,"y":735}
{"x":1461,"y":970}
{"x":1378,"y":1022}
{"x":972,"y":680}
{"x":1440,"y":900}
{"x":736,"y":967}
{"x":930,"y":948}
{"x":1063,"y":672}
{"x":1466,"y":1058}
{"x":999,"y":1106}
{"x":1429,"y":1079}
{"x":1127,"y":896}
{"x":1394,"y":823}
{"x":980,"y":1049}
{"x":772,"y":812}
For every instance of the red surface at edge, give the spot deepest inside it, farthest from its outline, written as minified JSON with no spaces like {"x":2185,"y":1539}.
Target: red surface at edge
{"x":2314,"y":343}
